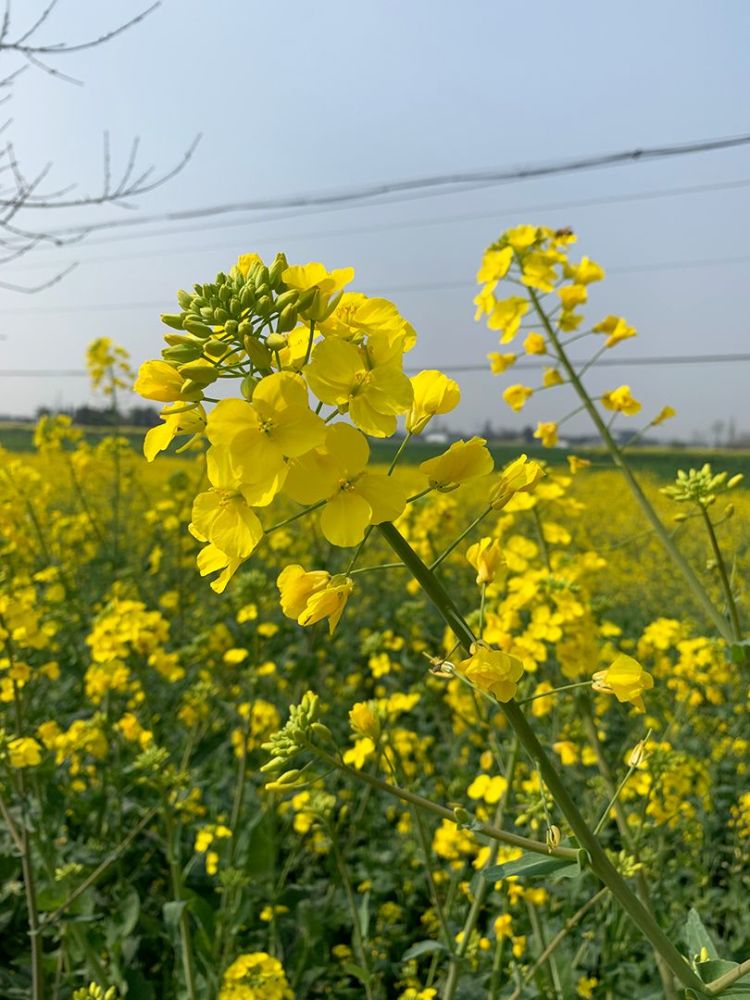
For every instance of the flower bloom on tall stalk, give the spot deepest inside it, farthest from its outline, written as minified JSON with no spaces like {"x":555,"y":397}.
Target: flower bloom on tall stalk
{"x":308,"y":597}
{"x":546,"y":432}
{"x":24,"y":751}
{"x":336,"y":475}
{"x":519,"y":476}
{"x":369,"y":384}
{"x":492,"y":671}
{"x":621,"y":400}
{"x":626,"y":679}
{"x":255,"y":976}
{"x":433,"y":393}
{"x":486,"y":556}
{"x":462,"y":462}
{"x":259,"y":435}
{"x":516,"y":396}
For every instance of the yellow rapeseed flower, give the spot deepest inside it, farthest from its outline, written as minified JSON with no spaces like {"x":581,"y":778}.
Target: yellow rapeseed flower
{"x":310,"y":597}
{"x":626,"y":679}
{"x":486,"y":557}
{"x":516,"y":396}
{"x":621,"y":400}
{"x":493,"y":671}
{"x":434,"y":393}
{"x":24,"y":751}
{"x":464,"y":460}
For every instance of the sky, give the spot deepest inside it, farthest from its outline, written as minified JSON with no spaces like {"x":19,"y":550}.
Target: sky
{"x":299,"y":97}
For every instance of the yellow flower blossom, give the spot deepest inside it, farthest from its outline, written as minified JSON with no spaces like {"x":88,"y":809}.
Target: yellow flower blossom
{"x":500,"y":363}
{"x":327,"y":285}
{"x":546,"y":432}
{"x":493,"y":671}
{"x":616,"y":328}
{"x":336,"y":474}
{"x":24,"y":751}
{"x":463,"y":461}
{"x":621,"y":400}
{"x":535,"y":344}
{"x":486,"y":557}
{"x":344,"y":375}
{"x":433,"y":393}
{"x":310,"y":597}
{"x":517,"y":395}
{"x":519,"y":476}
{"x":506,"y":316}
{"x":626,"y":679}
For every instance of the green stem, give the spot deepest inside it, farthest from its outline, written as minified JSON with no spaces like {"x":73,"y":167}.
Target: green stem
{"x":600,"y":863}
{"x":444,"y":555}
{"x":454,"y":970}
{"x":725,"y":581}
{"x":493,"y":832}
{"x":695,"y":585}
{"x":397,"y":456}
{"x":557,"y":940}
{"x":188,"y":961}
{"x":552,"y":692}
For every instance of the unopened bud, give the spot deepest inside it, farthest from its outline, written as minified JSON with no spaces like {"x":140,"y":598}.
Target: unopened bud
{"x":287,"y":319}
{"x":175,"y":320}
{"x":637,"y":754}
{"x":729,"y":510}
{"x":215,"y":348}
{"x":184,"y":299}
{"x":247,"y":386}
{"x":198,"y":329}
{"x":553,"y":837}
{"x":276,"y":341}
{"x":257,"y":351}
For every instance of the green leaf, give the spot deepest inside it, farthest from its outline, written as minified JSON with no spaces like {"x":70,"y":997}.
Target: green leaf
{"x":708,"y":971}
{"x":533,"y":865}
{"x":739,"y":652}
{"x":697,"y":937}
{"x":172,"y":912}
{"x":422,"y":948}
{"x":358,"y":972}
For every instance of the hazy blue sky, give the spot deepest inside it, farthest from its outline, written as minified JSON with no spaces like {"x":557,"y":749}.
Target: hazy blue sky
{"x":296,"y":97}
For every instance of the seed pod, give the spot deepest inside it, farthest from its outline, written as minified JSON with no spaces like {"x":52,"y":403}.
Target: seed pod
{"x":175,"y":320}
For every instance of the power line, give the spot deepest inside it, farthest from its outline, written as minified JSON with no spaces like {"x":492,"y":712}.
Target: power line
{"x":436,"y":184}
{"x":680,"y":359}
{"x":428,"y":286}
{"x":483,"y":215}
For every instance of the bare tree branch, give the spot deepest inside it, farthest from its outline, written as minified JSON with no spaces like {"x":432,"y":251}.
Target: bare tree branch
{"x":21,"y":45}
{"x":20,"y":193}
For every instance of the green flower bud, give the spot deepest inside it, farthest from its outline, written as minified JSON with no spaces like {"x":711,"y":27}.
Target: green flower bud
{"x":182,"y":353}
{"x":207,"y":313}
{"x":280,"y":264}
{"x":234,"y":307}
{"x":264,"y":305}
{"x":231,"y":326}
{"x":258,"y":353}
{"x":191,"y":391}
{"x":220,"y":316}
{"x":175,"y":320}
{"x":261,"y":277}
{"x":199,"y":372}
{"x":198,"y":329}
{"x":181,"y":338}
{"x":287,"y":320}
{"x":247,"y":386}
{"x":247,"y":297}
{"x":276,"y":341}
{"x":290,"y":297}
{"x":184,"y":299}
{"x":215,"y":349}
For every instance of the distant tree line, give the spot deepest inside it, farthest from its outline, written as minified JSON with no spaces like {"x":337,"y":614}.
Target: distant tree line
{"x":105,"y":416}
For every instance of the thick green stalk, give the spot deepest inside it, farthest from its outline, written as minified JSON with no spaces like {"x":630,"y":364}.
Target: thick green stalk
{"x":691,"y":578}
{"x":600,"y":863}
{"x":724,"y":576}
